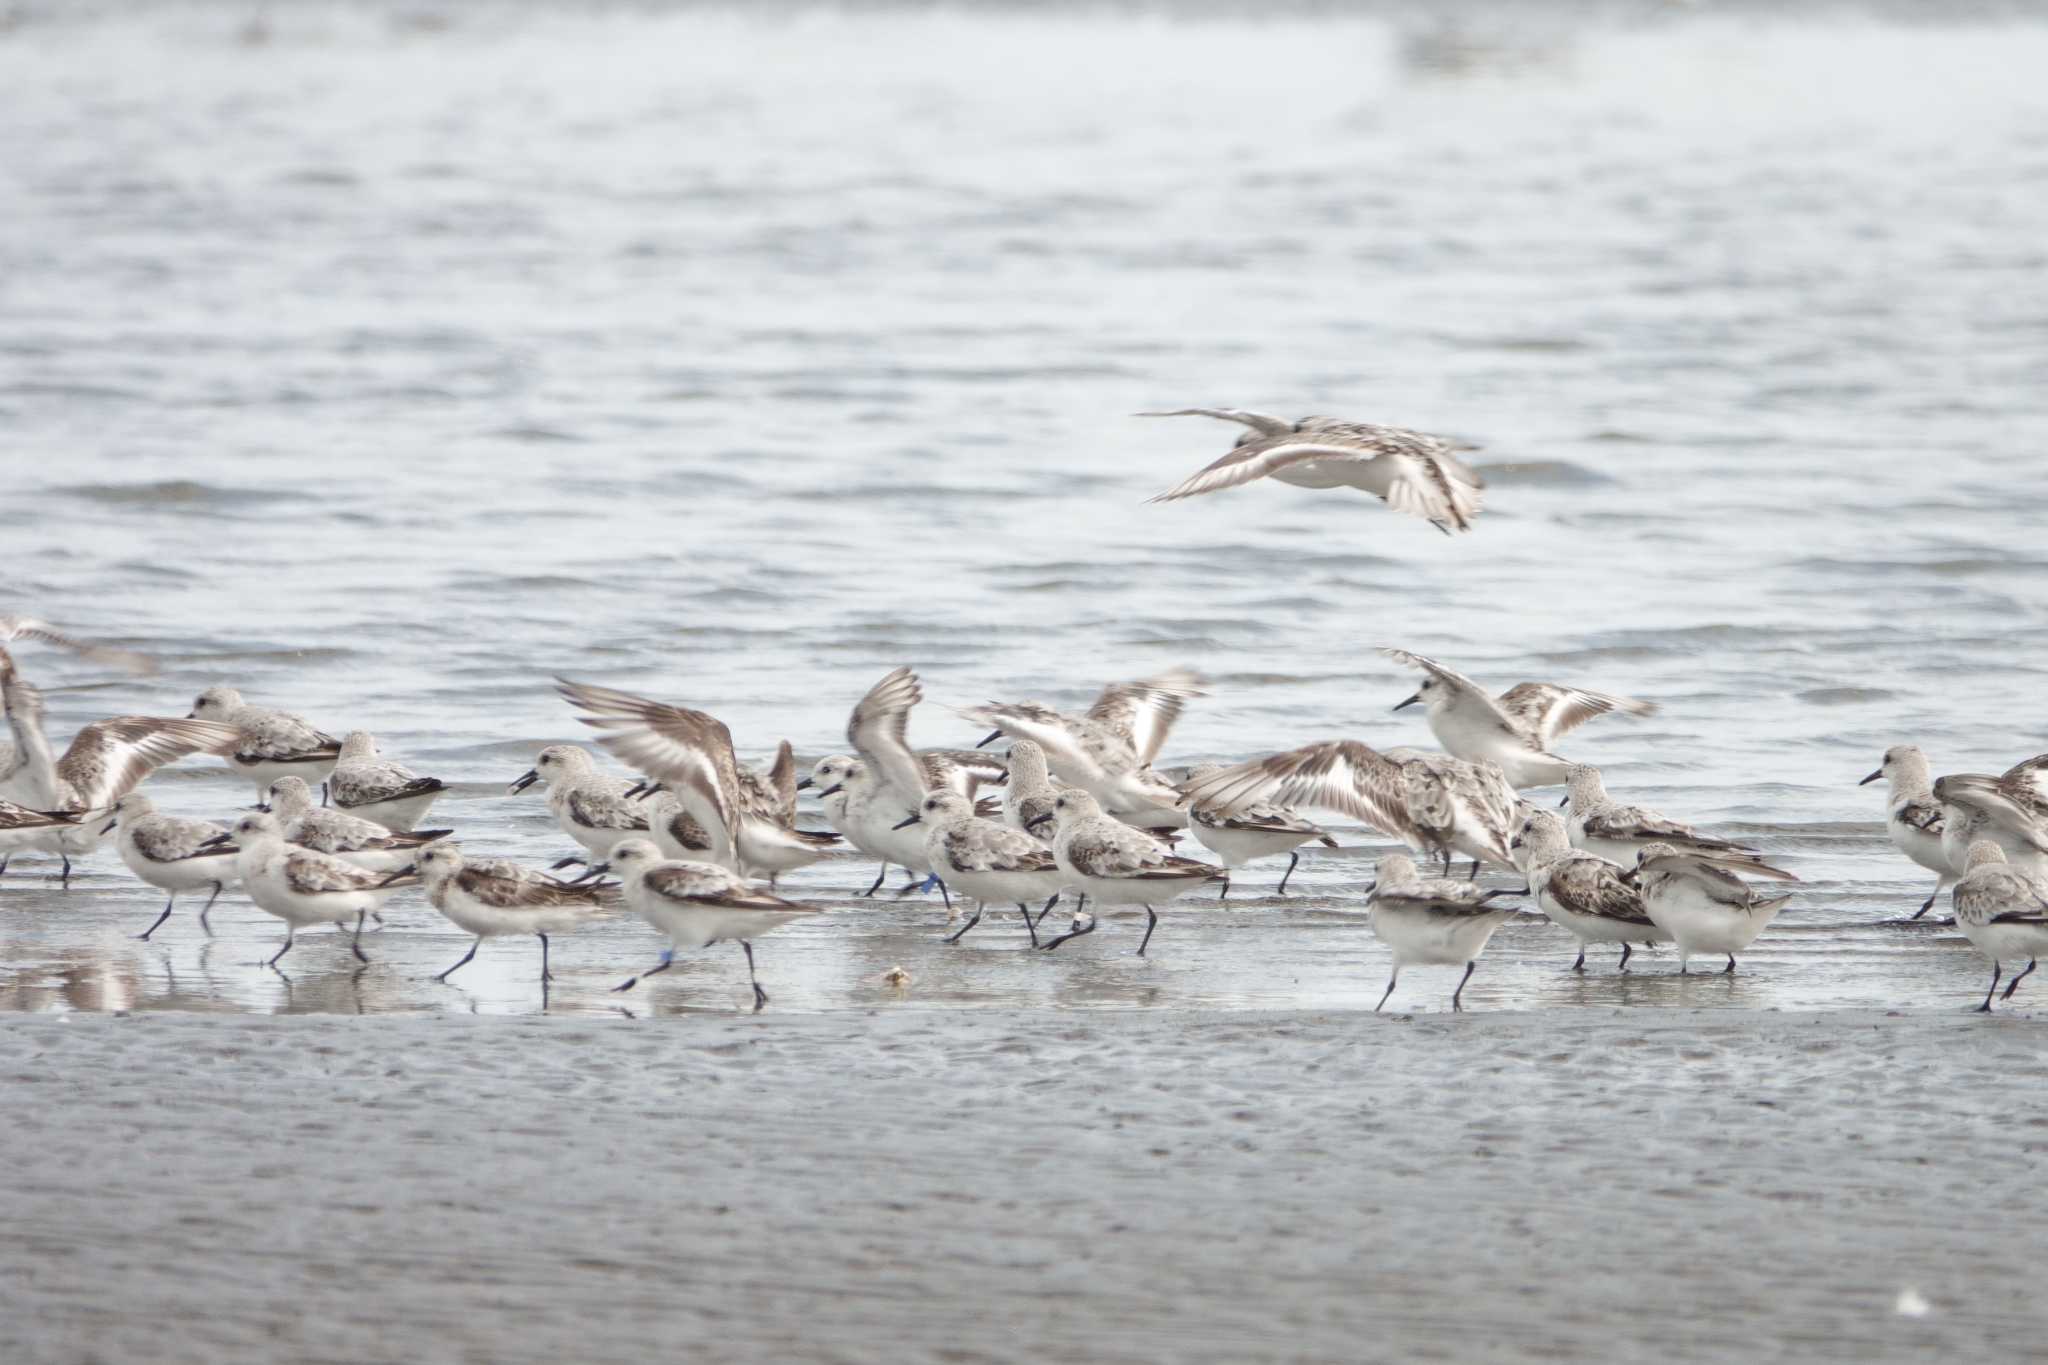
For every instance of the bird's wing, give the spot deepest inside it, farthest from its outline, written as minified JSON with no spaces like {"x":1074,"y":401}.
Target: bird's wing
{"x":281,"y":735}
{"x":1066,"y":749}
{"x":110,"y":757}
{"x":601,"y":807}
{"x":731,"y":893}
{"x":1263,"y":423}
{"x":879,"y":731}
{"x":782,"y":780}
{"x":1450,"y":677}
{"x":689,"y":750}
{"x":1716,"y":881}
{"x":1337,"y":774}
{"x":309,"y":873}
{"x":1549,"y":710}
{"x":14,"y":628}
{"x":522,"y":890}
{"x":1259,"y":457}
{"x":1142,"y":713}
{"x":984,"y":846}
{"x":1591,"y":885}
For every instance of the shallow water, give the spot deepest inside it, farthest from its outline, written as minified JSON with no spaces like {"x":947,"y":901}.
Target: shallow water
{"x":384,"y":361}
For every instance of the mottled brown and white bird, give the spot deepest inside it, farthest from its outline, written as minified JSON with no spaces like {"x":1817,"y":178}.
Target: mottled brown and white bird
{"x":1410,"y":471}
{"x":1514,"y":730}
{"x":490,"y":897}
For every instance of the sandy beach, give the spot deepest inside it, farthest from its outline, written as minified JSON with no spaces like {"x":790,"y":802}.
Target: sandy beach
{"x":991,"y":1185}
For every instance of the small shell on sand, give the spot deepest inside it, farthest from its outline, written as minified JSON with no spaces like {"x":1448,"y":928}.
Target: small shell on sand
{"x":896,"y":976}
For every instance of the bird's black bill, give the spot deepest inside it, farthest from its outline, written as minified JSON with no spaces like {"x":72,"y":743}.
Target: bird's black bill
{"x":1036,"y":822}
{"x":1410,"y":702}
{"x":399,"y":875}
{"x":216,"y":841}
{"x":1872,"y":778}
{"x":1566,"y":802}
{"x":108,"y":828}
{"x":993,"y":736}
{"x":805,"y":784}
{"x":526,"y":779}
{"x":836,"y":786}
{"x":906,"y":824}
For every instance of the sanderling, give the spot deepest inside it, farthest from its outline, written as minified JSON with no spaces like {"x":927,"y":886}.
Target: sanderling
{"x":302,"y":886}
{"x":690,"y":752}
{"x":848,"y":794}
{"x":1029,"y":792}
{"x":1592,"y":898}
{"x":493,"y":896}
{"x":13,"y":628}
{"x":1515,"y":729}
{"x":377,"y":789}
{"x":104,"y":762}
{"x":365,"y":843}
{"x":270,"y":744}
{"x":1118,"y":864}
{"x":985,"y":859}
{"x":2001,"y":910}
{"x":2011,"y":810}
{"x":590,"y":806}
{"x":697,"y":905}
{"x":1432,"y":922}
{"x":1259,"y":830}
{"x":1108,"y":751}
{"x":1599,"y":824}
{"x":172,"y":854}
{"x":1434,"y":804}
{"x":1698,"y":900}
{"x":1913,"y":817}
{"x":1410,"y":471}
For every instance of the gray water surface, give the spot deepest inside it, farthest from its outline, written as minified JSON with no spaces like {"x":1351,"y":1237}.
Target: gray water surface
{"x":384,"y":361}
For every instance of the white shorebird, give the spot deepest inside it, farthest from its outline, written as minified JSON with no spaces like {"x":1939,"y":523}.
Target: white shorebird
{"x":1514,"y":730}
{"x":589,"y":805}
{"x":376,"y":788}
{"x":172,"y":854}
{"x":690,"y":753}
{"x":1700,"y":901}
{"x":490,"y":897}
{"x":104,"y":762}
{"x":1599,"y":824}
{"x":1912,"y":816}
{"x":847,"y":794}
{"x":270,"y":744}
{"x":2001,"y":910}
{"x":303,"y":887}
{"x":2011,"y":810}
{"x":985,"y":859}
{"x":1109,"y":750}
{"x":364,"y":843}
{"x":1259,"y":830}
{"x":1432,"y":922}
{"x":1591,"y":898}
{"x":1118,"y":864}
{"x":1410,"y":471}
{"x":1436,"y":805}
{"x":697,"y":905}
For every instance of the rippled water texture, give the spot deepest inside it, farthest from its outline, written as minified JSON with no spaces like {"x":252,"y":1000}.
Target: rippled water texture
{"x":385,"y":361}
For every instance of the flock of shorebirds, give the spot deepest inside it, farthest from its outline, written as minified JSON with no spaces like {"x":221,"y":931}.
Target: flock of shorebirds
{"x":1073,"y":806}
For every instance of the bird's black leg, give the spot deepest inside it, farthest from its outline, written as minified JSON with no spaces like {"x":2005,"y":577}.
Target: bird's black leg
{"x":1151,"y":923}
{"x":1729,"y":970}
{"x":3,"y":864}
{"x":1047,"y":911}
{"x":465,"y":959}
{"x":2014,"y":984}
{"x":355,"y":943}
{"x":1029,"y":923}
{"x":281,"y":951}
{"x":947,"y":896}
{"x":878,"y":881}
{"x":760,"y":996}
{"x":1224,"y":894}
{"x":545,"y":975}
{"x":64,"y":878}
{"x":323,"y":793}
{"x":217,"y":889}
{"x":668,"y":956}
{"x":1456,"y":1007}
{"x":1985,"y":1008}
{"x":1626,"y":949}
{"x":972,"y":920}
{"x":1474,"y":872}
{"x":1447,"y":862}
{"x":144,"y":935}
{"x":1580,"y":965}
{"x":1051,"y":944}
{"x":1293,"y":861}
{"x":1928,"y":904}
{"x":1389,"y":991}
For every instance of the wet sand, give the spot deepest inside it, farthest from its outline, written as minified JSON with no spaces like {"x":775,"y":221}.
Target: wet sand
{"x":1023,"y":1185}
